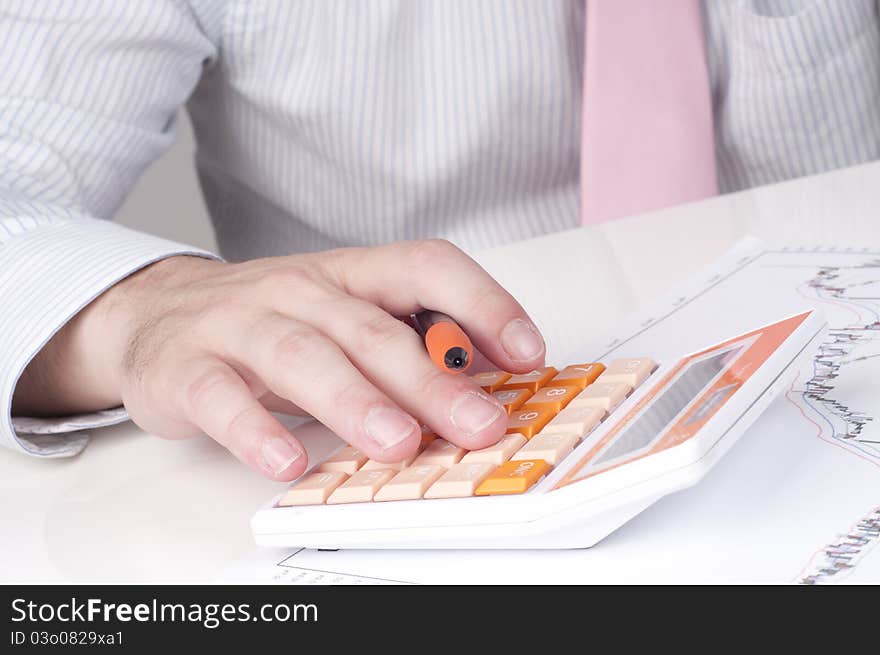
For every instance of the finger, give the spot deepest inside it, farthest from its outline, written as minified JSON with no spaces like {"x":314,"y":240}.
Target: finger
{"x":393,"y":357}
{"x":405,"y":277}
{"x":303,"y":366}
{"x":218,"y":401}
{"x":480,"y":363}
{"x":281,"y":405}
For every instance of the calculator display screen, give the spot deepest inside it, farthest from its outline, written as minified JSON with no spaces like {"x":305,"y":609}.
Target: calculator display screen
{"x":683,"y":401}
{"x":653,"y":422}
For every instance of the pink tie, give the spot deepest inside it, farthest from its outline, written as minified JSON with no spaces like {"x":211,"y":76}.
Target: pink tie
{"x":647,"y":123}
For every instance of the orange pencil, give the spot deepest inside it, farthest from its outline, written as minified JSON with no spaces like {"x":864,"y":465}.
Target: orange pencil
{"x":447,"y":344}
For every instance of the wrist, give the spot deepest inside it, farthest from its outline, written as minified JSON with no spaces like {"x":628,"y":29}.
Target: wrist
{"x":80,"y":369}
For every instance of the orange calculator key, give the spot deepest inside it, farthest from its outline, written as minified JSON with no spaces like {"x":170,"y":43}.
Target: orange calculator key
{"x":512,"y":399}
{"x":533,"y":380}
{"x":427,"y":435}
{"x":513,"y":477}
{"x":528,"y":422}
{"x":552,"y":398}
{"x":491,"y":380}
{"x":578,"y":375}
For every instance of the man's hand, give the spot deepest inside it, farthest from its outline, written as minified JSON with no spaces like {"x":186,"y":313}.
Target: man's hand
{"x":190,"y":345}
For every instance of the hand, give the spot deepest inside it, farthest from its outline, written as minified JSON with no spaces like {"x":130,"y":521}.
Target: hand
{"x":191,"y":345}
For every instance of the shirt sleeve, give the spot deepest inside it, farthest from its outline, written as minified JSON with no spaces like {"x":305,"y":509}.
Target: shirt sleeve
{"x":88,"y":94}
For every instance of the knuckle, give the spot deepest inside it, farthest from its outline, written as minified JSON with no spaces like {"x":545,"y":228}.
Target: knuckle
{"x":433,"y":384}
{"x":354,"y":395}
{"x":287,"y":280}
{"x":378,"y":332}
{"x":297,"y":346}
{"x":487,"y":300}
{"x":241,"y":428}
{"x":432,"y":252}
{"x":221,"y":309}
{"x":333,"y":261}
{"x":204,"y":386}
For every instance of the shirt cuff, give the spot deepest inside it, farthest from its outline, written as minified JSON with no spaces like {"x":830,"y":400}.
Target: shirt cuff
{"x":47,"y":275}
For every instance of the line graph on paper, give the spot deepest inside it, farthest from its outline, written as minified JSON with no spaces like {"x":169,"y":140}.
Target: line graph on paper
{"x":846,"y":351}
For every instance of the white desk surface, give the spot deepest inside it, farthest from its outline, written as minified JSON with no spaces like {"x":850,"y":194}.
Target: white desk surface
{"x":134,"y":508}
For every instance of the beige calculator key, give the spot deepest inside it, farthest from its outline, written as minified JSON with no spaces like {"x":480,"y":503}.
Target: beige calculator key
{"x":411,"y":483}
{"x":374,"y":464}
{"x":313,"y":488}
{"x":497,"y":454}
{"x":348,"y":460}
{"x":361,"y":487}
{"x":605,"y":395}
{"x":549,"y":447}
{"x":442,"y":453}
{"x":575,"y":420}
{"x":628,"y":371}
{"x":461,"y":480}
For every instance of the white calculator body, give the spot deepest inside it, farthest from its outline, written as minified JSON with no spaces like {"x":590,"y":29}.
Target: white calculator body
{"x":666,"y":436}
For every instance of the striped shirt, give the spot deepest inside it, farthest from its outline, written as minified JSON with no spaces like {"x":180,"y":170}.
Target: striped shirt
{"x":323,"y":124}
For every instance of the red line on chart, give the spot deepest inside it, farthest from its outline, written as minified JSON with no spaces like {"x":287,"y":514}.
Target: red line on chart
{"x":817,"y":297}
{"x":819,"y":431}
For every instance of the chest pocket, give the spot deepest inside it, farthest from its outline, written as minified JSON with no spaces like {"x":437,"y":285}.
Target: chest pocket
{"x":801,"y":91}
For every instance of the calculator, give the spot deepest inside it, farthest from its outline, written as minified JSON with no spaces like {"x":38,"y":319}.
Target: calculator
{"x":589,"y":445}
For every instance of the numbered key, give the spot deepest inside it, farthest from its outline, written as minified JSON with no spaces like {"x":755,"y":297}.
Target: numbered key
{"x":629,"y":371}
{"x":313,"y":488}
{"x":491,"y":380}
{"x":578,"y":421}
{"x":551,"y":448}
{"x":513,"y":477}
{"x":410,"y":483}
{"x":552,"y":398}
{"x":578,"y":375}
{"x":361,"y":487}
{"x":512,"y":399}
{"x":528,"y":422}
{"x":497,"y":454}
{"x":533,"y":380}
{"x":348,"y":460}
{"x":460,"y":481}
{"x":604,"y":395}
{"x":442,"y":453}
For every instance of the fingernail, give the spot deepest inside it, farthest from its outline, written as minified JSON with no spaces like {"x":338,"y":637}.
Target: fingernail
{"x":388,"y":427}
{"x":473,"y":413}
{"x":279,"y":454}
{"x":521,"y":340}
